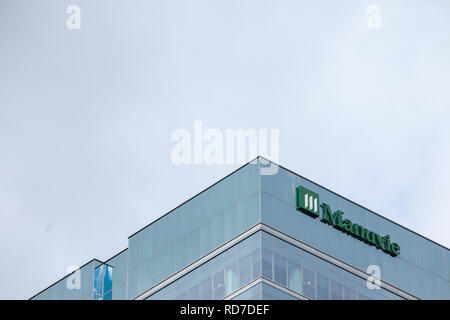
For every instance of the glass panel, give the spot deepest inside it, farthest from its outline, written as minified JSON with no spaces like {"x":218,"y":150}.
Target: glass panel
{"x":231,"y":278}
{"x":108,"y":296}
{"x":200,"y":225}
{"x":271,"y":293}
{"x":245,"y":274}
{"x":309,"y":283}
{"x":98,"y":282}
{"x":256,"y":264}
{"x":311,"y":276}
{"x":336,"y":291}
{"x":422,"y":268}
{"x":350,"y":294}
{"x":107,"y":280}
{"x":219,"y":285}
{"x":220,"y":276}
{"x":280,"y":270}
{"x":180,"y":253}
{"x":267,"y":264}
{"x":206,"y":289}
{"x":323,"y":292}
{"x":254,"y":293}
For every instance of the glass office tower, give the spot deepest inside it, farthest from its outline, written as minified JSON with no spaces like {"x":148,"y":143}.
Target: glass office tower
{"x":256,"y":236}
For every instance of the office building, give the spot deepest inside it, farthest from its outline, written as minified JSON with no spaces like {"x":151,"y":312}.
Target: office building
{"x":254,"y":235}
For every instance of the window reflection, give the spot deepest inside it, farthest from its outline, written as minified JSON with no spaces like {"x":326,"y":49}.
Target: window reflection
{"x":220,"y":276}
{"x":103,"y":282}
{"x":219,"y":285}
{"x":322,"y":287}
{"x":205,"y":289}
{"x":299,"y":271}
{"x":280,"y":273}
{"x":350,"y":294}
{"x":245,"y":274}
{"x":265,"y":255}
{"x":336,"y":291}
{"x":309,"y":283}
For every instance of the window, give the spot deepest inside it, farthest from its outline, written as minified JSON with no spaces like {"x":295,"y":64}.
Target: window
{"x":245,"y":270}
{"x":363,"y":297}
{"x":103,"y":282}
{"x":220,"y":276}
{"x":193,"y":293}
{"x":309,"y":283}
{"x":181,"y":296}
{"x":219,"y":285}
{"x":231,"y":278}
{"x":322,"y":287}
{"x":280,"y":270}
{"x":256,"y":264}
{"x":205,"y":289}
{"x":98,"y":283}
{"x":336,"y":290}
{"x":350,"y":294}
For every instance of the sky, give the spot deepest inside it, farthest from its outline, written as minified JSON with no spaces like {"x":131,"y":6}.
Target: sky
{"x":86,"y":115}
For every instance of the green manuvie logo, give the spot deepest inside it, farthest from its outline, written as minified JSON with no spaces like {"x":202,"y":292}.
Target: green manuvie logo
{"x":308,"y":202}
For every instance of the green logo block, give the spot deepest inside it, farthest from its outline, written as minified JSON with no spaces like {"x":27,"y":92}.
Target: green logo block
{"x":307,"y":201}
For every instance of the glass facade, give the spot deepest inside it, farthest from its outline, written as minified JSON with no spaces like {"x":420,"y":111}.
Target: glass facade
{"x":220,"y":276}
{"x":103,"y":282}
{"x":264,"y":291}
{"x":193,"y":229}
{"x":79,"y":285}
{"x":274,"y":259}
{"x":119,"y":264}
{"x":421,"y":269}
{"x":260,"y":265}
{"x":310,"y":276}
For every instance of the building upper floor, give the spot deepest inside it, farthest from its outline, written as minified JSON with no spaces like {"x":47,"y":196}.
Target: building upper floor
{"x":262,"y":193}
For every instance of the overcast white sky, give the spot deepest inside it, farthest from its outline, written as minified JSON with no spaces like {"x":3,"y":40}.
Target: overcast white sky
{"x":86,"y":115}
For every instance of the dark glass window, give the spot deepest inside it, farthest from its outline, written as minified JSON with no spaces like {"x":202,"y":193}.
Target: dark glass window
{"x":322,"y":287}
{"x":193,"y":293}
{"x":245,"y":272}
{"x":363,"y":297}
{"x":350,"y":294}
{"x":98,"y":282}
{"x":256,"y":264}
{"x":107,"y":279}
{"x":181,"y":296}
{"x":205,"y":289}
{"x":336,"y":290}
{"x":280,"y":270}
{"x":108,"y":296}
{"x":309,"y":283}
{"x":219,"y":285}
{"x":103,"y":282}
{"x":267,"y":263}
